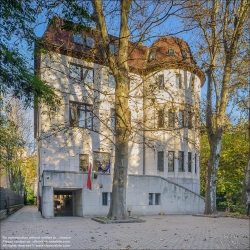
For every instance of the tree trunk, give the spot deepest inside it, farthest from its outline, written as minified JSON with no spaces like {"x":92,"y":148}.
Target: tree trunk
{"x":211,"y":175}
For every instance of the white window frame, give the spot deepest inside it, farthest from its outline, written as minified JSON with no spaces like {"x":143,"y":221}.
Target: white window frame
{"x":75,"y":71}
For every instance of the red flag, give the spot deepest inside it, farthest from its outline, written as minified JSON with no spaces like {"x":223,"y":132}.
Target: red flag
{"x":89,"y":177}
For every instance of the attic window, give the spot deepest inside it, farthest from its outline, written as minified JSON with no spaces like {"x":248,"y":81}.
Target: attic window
{"x":151,"y":56}
{"x":77,"y":38}
{"x":184,"y":53}
{"x":90,"y":42}
{"x":171,"y":52}
{"x":113,"y":47}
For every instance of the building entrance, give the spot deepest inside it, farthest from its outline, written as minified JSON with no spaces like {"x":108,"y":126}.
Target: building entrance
{"x":63,"y":203}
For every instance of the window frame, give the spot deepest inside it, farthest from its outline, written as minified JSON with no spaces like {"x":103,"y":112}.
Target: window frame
{"x":151,"y":199}
{"x":152,"y":56}
{"x":87,"y":68}
{"x":80,"y":167}
{"x":190,"y":162}
{"x":160,"y":165}
{"x":180,"y":161}
{"x":190,"y":119}
{"x":76,"y":42}
{"x":171,"y":168}
{"x":87,"y":39}
{"x":160,"y":81}
{"x":107,"y":199}
{"x":181,"y":118}
{"x":113,"y":48}
{"x":97,"y":162}
{"x":178,"y":81}
{"x":74,"y":122}
{"x":158,"y":199}
{"x":110,"y":76}
{"x":171,"y":118}
{"x":161,"y":118}
{"x":112,"y":119}
{"x":184,"y":54}
{"x":70,"y":71}
{"x":171,"y":51}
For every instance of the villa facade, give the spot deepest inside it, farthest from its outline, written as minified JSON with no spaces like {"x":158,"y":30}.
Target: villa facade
{"x":164,"y":100}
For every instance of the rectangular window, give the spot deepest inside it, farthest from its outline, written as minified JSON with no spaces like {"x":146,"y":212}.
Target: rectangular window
{"x":83,"y":162}
{"x":77,"y":38}
{"x":114,"y":49}
{"x":195,"y":164}
{"x":88,"y":75}
{"x":157,"y":199}
{"x":189,"y":162}
{"x":192,"y":82}
{"x":106,"y":197}
{"x":190,"y":119}
{"x":160,"y":163}
{"x":112,"y":119}
{"x":171,"y":120}
{"x":178,"y":81}
{"x":90,"y":42}
{"x":75,"y":71}
{"x":111,"y":81}
{"x":170,"y":161}
{"x":181,"y":161}
{"x":101,"y":161}
{"x":181,"y":118}
{"x":150,"y":199}
{"x":160,"y":118}
{"x":80,"y":115}
{"x":161,"y":81}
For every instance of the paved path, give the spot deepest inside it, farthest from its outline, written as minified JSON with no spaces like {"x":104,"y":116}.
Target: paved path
{"x":26,"y":229}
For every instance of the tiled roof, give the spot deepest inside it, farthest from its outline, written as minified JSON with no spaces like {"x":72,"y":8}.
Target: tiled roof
{"x":61,"y":41}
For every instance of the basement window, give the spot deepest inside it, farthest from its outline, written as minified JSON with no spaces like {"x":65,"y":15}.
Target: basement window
{"x":154,"y":199}
{"x":106,"y":197}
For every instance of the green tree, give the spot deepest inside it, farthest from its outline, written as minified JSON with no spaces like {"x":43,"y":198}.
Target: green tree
{"x":222,"y":26}
{"x":233,"y":159}
{"x":17,"y":78}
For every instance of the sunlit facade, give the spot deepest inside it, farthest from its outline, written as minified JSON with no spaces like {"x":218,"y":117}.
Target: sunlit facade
{"x":164,"y":101}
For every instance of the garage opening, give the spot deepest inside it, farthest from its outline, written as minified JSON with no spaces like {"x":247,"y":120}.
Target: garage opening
{"x":63,"y":203}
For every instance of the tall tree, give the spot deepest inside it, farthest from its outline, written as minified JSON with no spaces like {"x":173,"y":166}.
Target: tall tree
{"x":18,"y":22}
{"x":222,"y":25}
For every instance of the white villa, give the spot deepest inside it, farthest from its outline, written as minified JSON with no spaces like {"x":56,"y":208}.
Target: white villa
{"x":163,"y":171}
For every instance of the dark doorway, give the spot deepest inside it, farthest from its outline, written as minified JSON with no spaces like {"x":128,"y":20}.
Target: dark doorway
{"x":63,"y":203}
